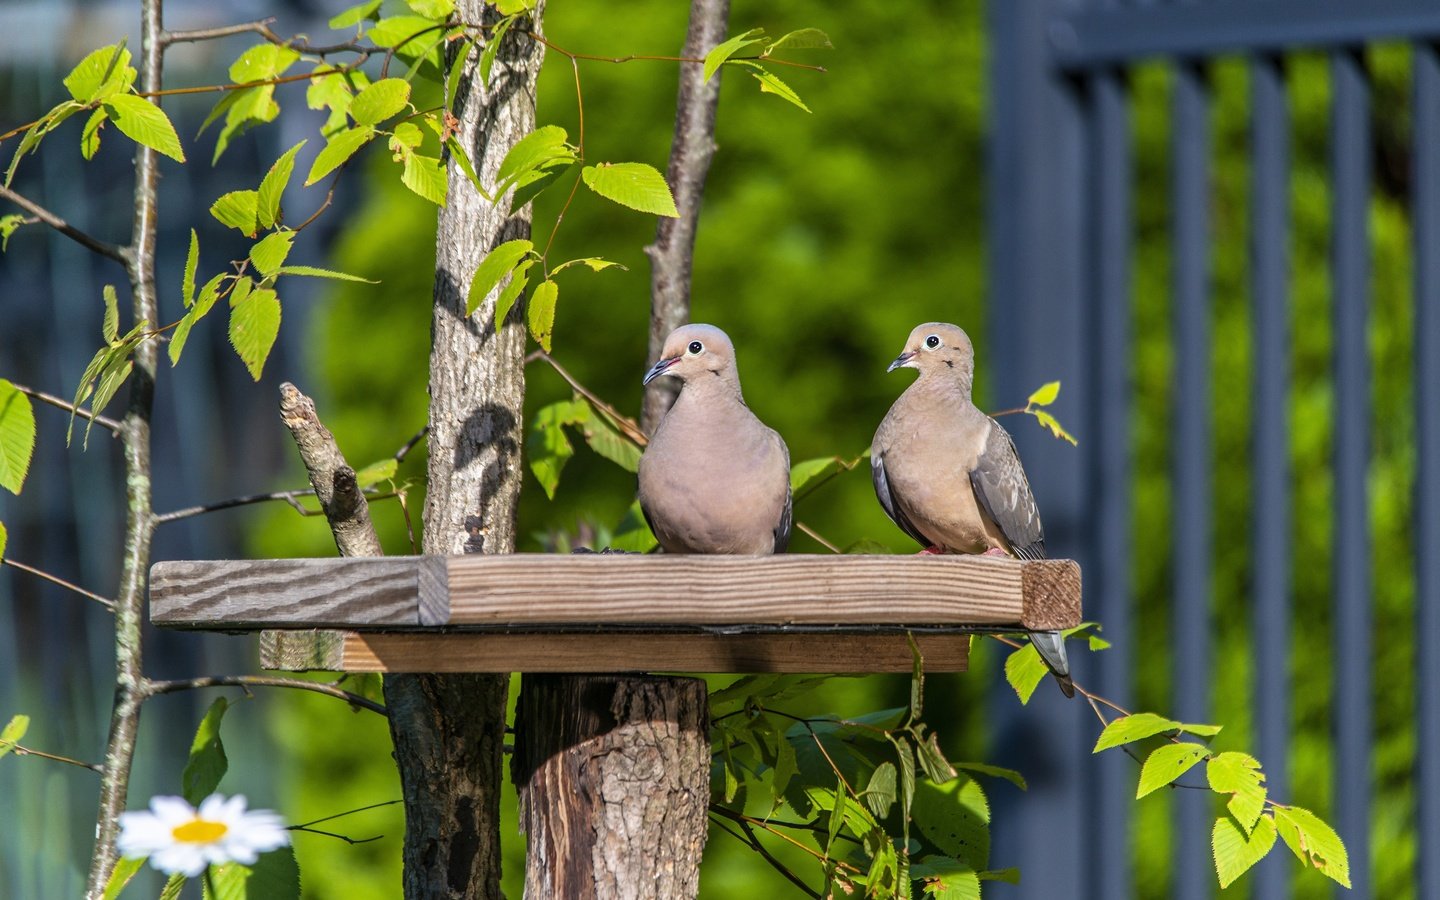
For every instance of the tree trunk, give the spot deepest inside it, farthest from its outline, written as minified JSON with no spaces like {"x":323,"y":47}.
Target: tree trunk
{"x":449,"y":729}
{"x":614,"y":778}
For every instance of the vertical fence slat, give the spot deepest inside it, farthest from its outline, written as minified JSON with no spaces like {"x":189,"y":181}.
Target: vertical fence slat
{"x":1191,"y":503}
{"x":1270,"y":532}
{"x":1426,"y":213}
{"x":1350,"y":179}
{"x":1109,"y":576}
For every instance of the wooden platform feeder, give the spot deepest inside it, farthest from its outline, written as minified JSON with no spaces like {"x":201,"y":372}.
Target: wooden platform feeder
{"x":616,"y":613}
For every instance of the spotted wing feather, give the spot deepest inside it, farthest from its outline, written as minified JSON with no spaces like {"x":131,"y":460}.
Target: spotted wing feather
{"x":1004,"y":493}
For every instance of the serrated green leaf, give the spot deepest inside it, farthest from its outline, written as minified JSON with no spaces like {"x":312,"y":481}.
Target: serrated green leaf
{"x":487,"y":56}
{"x":1167,"y":763}
{"x":609,"y":443}
{"x":90,"y":134}
{"x":13,"y":731}
{"x":635,"y":185}
{"x":496,"y":265}
{"x":425,"y":175}
{"x":519,"y":278}
{"x":207,"y":763}
{"x":120,"y":876}
{"x":770,"y":84}
{"x":1235,"y":851}
{"x":262,"y":63}
{"x":530,"y":186}
{"x":1009,"y":775}
{"x":593,"y":263}
{"x":274,"y":876}
{"x":4,"y":536}
{"x":17,"y":437}
{"x":955,"y":818}
{"x":269,"y":253}
{"x":173,"y":887}
{"x":110,"y":326}
{"x":314,"y":272}
{"x":540,"y":314}
{"x":238,"y":210}
{"x":187,"y":279}
{"x":100,"y":74}
{"x":1201,"y":730}
{"x":111,"y":379}
{"x":1024,"y":669}
{"x":400,"y":33}
{"x":377,"y":472}
{"x":932,"y":761}
{"x":1313,"y":841}
{"x":541,"y":146}
{"x":633,"y":533}
{"x":462,"y":159}
{"x":341,"y":146}
{"x":803,"y":39}
{"x":254,"y":325}
{"x":1239,"y":775}
{"x":432,"y":9}
{"x":717,"y":57}
{"x":513,"y":7}
{"x":144,"y":123}
{"x":406,"y":135}
{"x":547,"y":447}
{"x":1045,"y":394}
{"x":836,"y":821}
{"x":880,"y":792}
{"x":208,"y":295}
{"x":272,"y":187}
{"x":355,"y":14}
{"x":8,"y":226}
{"x":1050,"y":422}
{"x":380,"y":101}
{"x":954,"y":886}
{"x":1133,"y":728}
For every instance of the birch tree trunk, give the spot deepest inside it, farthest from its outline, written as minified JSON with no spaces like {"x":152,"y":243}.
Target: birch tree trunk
{"x":449,"y":729}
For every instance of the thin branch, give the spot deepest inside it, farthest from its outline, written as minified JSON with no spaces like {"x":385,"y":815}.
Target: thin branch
{"x":624,"y":423}
{"x":26,"y":751}
{"x":410,"y":444}
{"x":154,"y":688}
{"x":102,"y":421}
{"x":260,"y":27}
{"x":760,"y":823}
{"x":349,"y":840}
{"x":105,"y":602}
{"x":348,"y":812}
{"x":110,"y":251}
{"x":290,"y":497}
{"x":814,"y":534}
{"x":646,"y":57}
{"x":753,"y":842}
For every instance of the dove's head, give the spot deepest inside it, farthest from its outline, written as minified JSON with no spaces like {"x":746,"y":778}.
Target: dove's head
{"x":696,"y":354}
{"x":938,"y":347}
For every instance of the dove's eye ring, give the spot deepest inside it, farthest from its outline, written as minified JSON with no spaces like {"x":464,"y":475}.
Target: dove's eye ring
{"x":696,"y":347}
{"x":932,"y":342}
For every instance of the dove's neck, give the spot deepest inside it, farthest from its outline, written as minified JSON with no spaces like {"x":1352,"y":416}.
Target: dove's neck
{"x":711,"y":388}
{"x":951,"y":384}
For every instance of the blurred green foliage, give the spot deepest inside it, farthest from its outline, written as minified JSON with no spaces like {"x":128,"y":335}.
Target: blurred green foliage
{"x":824,"y":238}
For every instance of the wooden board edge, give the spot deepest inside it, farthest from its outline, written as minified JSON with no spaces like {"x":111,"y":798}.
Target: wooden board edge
{"x":1051,"y":591}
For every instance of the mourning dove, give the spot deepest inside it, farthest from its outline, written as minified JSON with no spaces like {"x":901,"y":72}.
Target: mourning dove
{"x":714,"y":478}
{"x":949,"y":475}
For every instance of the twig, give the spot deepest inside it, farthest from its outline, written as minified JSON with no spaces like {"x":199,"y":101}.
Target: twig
{"x":108,"y":604}
{"x":290,"y":497}
{"x":260,"y":27}
{"x":624,"y":423}
{"x":410,"y":444}
{"x":26,"y":751}
{"x":647,"y":57}
{"x":751,"y":820}
{"x":102,"y":421}
{"x":812,"y":533}
{"x":155,"y":688}
{"x":110,"y":251}
{"x":753,"y":842}
{"x":348,"y":812}
{"x":349,"y":840}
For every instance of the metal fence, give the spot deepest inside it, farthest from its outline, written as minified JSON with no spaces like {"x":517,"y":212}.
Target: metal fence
{"x":1062,"y":238}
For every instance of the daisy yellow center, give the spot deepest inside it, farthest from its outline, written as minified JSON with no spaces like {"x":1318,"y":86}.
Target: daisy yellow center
{"x":200,"y":831}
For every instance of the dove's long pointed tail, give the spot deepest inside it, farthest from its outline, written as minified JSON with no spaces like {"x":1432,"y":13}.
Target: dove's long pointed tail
{"x":1051,"y":647}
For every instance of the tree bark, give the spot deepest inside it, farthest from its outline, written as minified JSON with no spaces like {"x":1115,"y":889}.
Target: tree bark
{"x":614,"y":778}
{"x":449,"y":729}
{"x":690,"y":154}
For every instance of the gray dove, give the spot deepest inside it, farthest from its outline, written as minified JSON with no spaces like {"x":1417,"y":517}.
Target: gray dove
{"x":948,"y":474}
{"x":714,"y":478}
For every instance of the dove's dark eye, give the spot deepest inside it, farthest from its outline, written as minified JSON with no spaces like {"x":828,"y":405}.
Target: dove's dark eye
{"x":932,"y":342}
{"x":696,"y":347}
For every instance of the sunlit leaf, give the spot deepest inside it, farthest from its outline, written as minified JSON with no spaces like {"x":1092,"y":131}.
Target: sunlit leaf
{"x":90,"y":134}
{"x":1313,"y":841}
{"x":803,"y":39}
{"x":770,"y":84}
{"x":110,"y":325}
{"x":187,"y":280}
{"x":355,"y":14}
{"x":1050,"y":422}
{"x":268,"y":254}
{"x":1045,"y":394}
{"x":1239,"y":775}
{"x":635,"y":185}
{"x":272,"y":187}
{"x":1167,"y":763}
{"x":717,"y":57}
{"x":207,"y":763}
{"x":377,"y":472}
{"x":102,"y":73}
{"x":1235,"y":851}
{"x":1024,"y":669}
{"x":274,"y":876}
{"x":208,"y":295}
{"x":540,"y":314}
{"x":144,"y":123}
{"x":1009,"y":775}
{"x":425,"y":175}
{"x":495,"y":266}
{"x":17,"y":436}
{"x":238,"y":210}
{"x":13,"y":731}
{"x":341,"y":146}
{"x":262,"y":63}
{"x":125,"y":869}
{"x":380,"y":101}
{"x":315,"y":272}
{"x":254,"y":325}
{"x":609,"y":443}
{"x":1133,"y":728}
{"x":9,"y":224}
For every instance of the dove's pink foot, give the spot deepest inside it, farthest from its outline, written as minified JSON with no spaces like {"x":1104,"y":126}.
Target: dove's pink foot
{"x":930,"y":551}
{"x":994,"y":551}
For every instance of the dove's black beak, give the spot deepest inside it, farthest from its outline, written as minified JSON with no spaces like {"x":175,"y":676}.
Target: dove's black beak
{"x":901,"y":361}
{"x":659,"y":369}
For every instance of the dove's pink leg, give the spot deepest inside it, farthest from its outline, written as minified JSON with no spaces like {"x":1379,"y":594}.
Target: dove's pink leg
{"x":930,"y":551}
{"x":994,"y":551}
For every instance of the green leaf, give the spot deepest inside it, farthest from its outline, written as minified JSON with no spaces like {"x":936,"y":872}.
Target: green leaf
{"x":594,"y":263}
{"x":90,"y":134}
{"x":633,"y":533}
{"x":1050,"y":422}
{"x":208,"y":295}
{"x":120,"y":876}
{"x":1313,"y":841}
{"x":530,"y":186}
{"x":635,"y":185}
{"x":879,"y":794}
{"x":1201,"y":730}
{"x":917,"y":679}
{"x":1009,"y":775}
{"x":1166,"y":764}
{"x":117,"y":369}
{"x":1024,"y":669}
{"x":262,"y":63}
{"x":547,"y":447}
{"x":1236,"y":851}
{"x":313,"y":272}
{"x":1133,"y":728}
{"x":355,"y":14}
{"x":8,"y":226}
{"x":495,"y":266}
{"x":717,"y":57}
{"x":173,"y":887}
{"x":238,"y":210}
{"x":254,"y":325}
{"x":506,"y":301}
{"x":955,"y":817}
{"x":541,"y":313}
{"x":274,"y":876}
{"x":100,"y":74}
{"x":462,"y":159}
{"x":513,"y":7}
{"x":609,"y":443}
{"x":837,"y":814}
{"x":401,"y":33}
{"x":207,"y":763}
{"x":187,"y":280}
{"x":4,"y":536}
{"x":487,"y":56}
{"x":1239,"y":775}
{"x":13,"y":731}
{"x":377,"y":472}
{"x":341,"y":146}
{"x":406,"y":135}
{"x":804,"y":39}
{"x":272,"y":187}
{"x":932,"y":761}
{"x":770,"y":84}
{"x":17,"y":436}
{"x":110,"y":326}
{"x":802,"y":473}
{"x":432,"y":9}
{"x":268,"y":254}
{"x":1045,"y":394}
{"x":144,"y":123}
{"x":380,"y":101}
{"x":425,"y":175}
{"x":541,"y":146}
{"x":954,"y":886}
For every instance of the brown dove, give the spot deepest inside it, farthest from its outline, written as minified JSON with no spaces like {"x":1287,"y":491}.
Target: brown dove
{"x":714,"y":478}
{"x":948,"y":474}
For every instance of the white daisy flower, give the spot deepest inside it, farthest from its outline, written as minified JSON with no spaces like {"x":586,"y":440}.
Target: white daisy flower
{"x":179,"y":838}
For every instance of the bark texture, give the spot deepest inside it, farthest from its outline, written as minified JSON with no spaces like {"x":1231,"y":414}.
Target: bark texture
{"x":690,"y":154}
{"x":614,"y":781}
{"x":448,"y":729}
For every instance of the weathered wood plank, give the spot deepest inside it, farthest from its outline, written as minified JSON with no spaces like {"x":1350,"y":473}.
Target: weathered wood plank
{"x":479,"y":652}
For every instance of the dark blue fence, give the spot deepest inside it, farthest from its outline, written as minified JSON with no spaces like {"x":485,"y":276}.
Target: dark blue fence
{"x":1062,"y":232}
